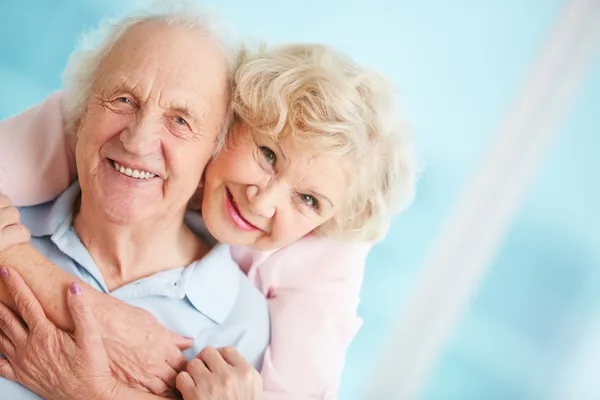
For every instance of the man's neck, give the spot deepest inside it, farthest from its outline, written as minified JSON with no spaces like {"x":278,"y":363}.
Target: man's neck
{"x":127,"y":252}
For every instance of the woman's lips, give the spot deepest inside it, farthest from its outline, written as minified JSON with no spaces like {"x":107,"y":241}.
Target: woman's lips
{"x":236,"y":216}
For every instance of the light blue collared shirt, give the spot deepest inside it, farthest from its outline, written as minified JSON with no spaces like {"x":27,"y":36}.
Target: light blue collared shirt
{"x":210,"y":300}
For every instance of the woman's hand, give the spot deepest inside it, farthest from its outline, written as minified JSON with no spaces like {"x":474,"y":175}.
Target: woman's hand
{"x":12,"y":232}
{"x":220,"y":374}
{"x":47,"y":360}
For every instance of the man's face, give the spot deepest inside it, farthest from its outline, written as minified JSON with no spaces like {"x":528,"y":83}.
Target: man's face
{"x":152,"y":118}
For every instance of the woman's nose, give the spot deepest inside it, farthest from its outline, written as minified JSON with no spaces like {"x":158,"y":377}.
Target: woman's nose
{"x":262,"y":201}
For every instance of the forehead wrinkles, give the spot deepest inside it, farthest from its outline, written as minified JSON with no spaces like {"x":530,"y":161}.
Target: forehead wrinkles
{"x":187,"y":74}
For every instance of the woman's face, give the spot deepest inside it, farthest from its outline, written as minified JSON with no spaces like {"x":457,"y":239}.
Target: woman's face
{"x":266,"y":194}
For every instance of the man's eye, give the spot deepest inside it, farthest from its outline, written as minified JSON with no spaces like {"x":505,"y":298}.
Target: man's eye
{"x":182,"y":122}
{"x":125,"y":100}
{"x":310,"y":201}
{"x":268,"y":154}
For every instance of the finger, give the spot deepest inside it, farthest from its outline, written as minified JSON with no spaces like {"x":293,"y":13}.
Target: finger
{"x":213,"y":360}
{"x":5,"y":201}
{"x":87,"y":331}
{"x":6,"y":346}
{"x":198,"y":370}
{"x":182,"y":343}
{"x":6,"y":370}
{"x":158,"y":387}
{"x":26,"y":303}
{"x":13,"y":235}
{"x":9,"y":216}
{"x":177,"y":361}
{"x":185,"y":384}
{"x":233,"y":357}
{"x":11,"y":326}
{"x":167,"y":375}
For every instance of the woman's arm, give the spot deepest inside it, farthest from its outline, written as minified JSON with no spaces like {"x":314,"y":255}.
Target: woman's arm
{"x":80,"y":367}
{"x":129,"y":332}
{"x":313,"y":289}
{"x":35,"y":144}
{"x":152,"y":353}
{"x":80,"y":363}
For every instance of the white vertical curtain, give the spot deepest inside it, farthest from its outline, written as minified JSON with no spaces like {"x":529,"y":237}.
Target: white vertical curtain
{"x":476,"y":227}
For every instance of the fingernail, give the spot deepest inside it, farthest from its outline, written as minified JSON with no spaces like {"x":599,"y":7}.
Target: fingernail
{"x":4,"y":272}
{"x":75,"y":288}
{"x":188,"y":338}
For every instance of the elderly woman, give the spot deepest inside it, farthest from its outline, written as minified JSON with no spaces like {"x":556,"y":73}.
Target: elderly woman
{"x":243,"y":204}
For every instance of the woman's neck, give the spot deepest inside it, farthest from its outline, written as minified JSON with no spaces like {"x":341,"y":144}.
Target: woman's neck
{"x":127,"y":252}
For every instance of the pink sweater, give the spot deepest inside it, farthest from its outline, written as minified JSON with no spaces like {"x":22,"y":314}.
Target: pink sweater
{"x":312,"y":286}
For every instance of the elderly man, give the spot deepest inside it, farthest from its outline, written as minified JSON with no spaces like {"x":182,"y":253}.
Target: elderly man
{"x":148,"y":105}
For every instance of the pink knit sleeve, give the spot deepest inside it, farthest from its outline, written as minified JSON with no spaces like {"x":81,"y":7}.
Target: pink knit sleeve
{"x":36,"y":163}
{"x":312,"y":289}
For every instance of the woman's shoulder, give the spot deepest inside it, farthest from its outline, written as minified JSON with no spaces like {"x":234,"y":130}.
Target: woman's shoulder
{"x":311,"y":262}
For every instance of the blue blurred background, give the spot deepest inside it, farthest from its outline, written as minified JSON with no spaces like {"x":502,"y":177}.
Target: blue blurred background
{"x":459,"y":65}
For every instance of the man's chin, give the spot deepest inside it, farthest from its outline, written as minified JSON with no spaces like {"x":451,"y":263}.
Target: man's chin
{"x":126,"y":211}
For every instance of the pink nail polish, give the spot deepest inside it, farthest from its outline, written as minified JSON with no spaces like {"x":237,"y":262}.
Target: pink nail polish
{"x":75,"y":288}
{"x":4,"y":272}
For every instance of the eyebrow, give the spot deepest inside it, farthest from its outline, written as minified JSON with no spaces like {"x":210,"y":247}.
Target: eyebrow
{"x":186,"y":113}
{"x":323,"y":197}
{"x":121,"y":86}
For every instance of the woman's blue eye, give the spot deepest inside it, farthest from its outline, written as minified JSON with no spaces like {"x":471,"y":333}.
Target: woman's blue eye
{"x":125,"y":100}
{"x":268,"y":154}
{"x":309,"y":200}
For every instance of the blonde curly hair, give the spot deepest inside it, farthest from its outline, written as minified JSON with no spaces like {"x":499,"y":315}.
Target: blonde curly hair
{"x":330,"y":104}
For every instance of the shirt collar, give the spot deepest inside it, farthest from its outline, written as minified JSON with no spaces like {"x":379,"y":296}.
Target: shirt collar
{"x":211,"y":284}
{"x":47,"y":218}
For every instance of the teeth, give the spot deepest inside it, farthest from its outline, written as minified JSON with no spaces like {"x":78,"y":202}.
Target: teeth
{"x":134,"y":173}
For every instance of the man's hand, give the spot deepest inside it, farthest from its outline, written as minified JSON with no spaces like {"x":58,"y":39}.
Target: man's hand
{"x":12,"y":232}
{"x":142,"y":352}
{"x":220,"y":374}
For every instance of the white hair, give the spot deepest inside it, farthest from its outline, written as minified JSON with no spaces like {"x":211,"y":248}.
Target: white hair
{"x":93,"y":46}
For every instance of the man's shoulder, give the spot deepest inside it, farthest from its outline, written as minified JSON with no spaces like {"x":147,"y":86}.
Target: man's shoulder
{"x":250,"y":318}
{"x":219,"y":288}
{"x":45,"y":219}
{"x":250,"y":301}
{"x":250,"y":306}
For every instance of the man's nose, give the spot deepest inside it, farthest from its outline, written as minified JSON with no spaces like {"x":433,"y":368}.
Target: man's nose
{"x":142,"y":137}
